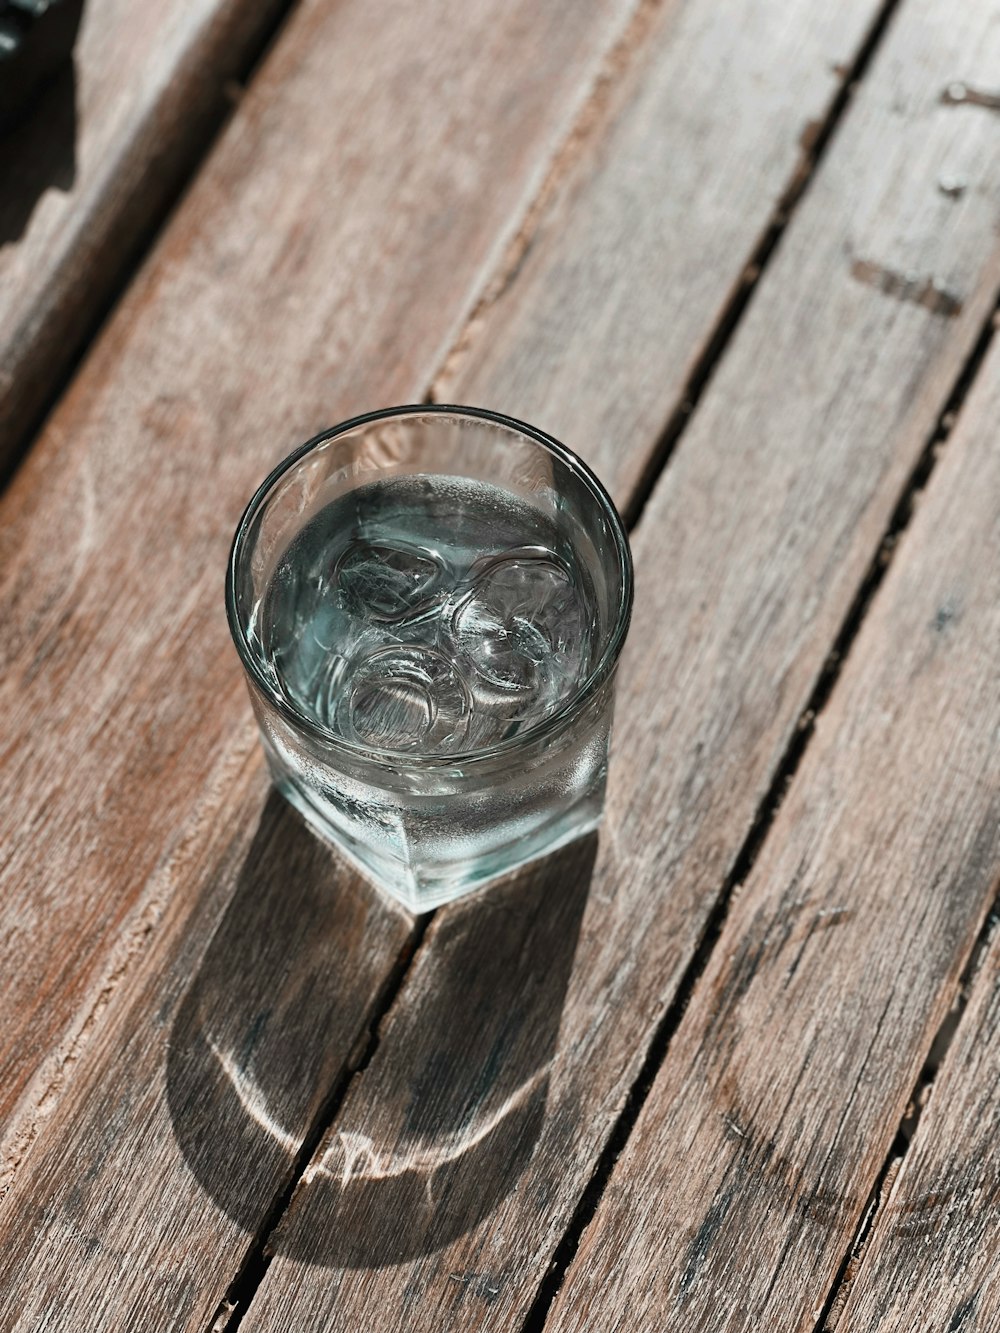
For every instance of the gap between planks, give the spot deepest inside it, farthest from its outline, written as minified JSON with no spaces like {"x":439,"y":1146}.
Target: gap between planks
{"x":188,"y":164}
{"x":240,"y":1292}
{"x":767,"y":812}
{"x":236,"y":1303}
{"x":587,"y":124}
{"x":579,"y":88}
{"x":814,"y":142}
{"x":828,"y":1315}
{"x":589,"y":117}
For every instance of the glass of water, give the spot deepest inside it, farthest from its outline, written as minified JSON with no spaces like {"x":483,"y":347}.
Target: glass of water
{"x":430,"y":604}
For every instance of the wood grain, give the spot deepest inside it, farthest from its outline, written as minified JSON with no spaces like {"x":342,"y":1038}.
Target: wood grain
{"x":330,"y":249}
{"x":93,"y":166}
{"x":467,"y":1083}
{"x":754,"y":1156}
{"x":187,"y":419}
{"x":619,"y":286}
{"x":748,"y":557}
{"x":723,"y":680}
{"x":931,"y":1260}
{"x":167,"y":402}
{"x":213,"y":1074}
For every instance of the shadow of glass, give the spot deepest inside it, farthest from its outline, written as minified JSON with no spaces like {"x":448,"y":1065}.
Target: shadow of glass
{"x":264,"y":1029}
{"x":38,"y":138}
{"x":437,"y":1130}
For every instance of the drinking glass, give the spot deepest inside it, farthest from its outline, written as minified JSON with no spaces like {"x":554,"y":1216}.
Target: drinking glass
{"x":430,"y":603}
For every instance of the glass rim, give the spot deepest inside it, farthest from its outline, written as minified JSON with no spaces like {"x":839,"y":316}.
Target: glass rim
{"x":552,"y":722}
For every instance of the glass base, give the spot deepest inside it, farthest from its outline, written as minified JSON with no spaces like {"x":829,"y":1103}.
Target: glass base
{"x":442,"y":868}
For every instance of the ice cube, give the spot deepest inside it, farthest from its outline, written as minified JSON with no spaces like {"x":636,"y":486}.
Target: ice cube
{"x":386,"y":582}
{"x":521,"y":625}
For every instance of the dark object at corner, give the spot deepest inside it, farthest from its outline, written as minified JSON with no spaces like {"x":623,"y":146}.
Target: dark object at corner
{"x":36,"y":38}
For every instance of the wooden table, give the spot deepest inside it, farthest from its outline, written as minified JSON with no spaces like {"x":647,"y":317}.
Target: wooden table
{"x":734,"y":1065}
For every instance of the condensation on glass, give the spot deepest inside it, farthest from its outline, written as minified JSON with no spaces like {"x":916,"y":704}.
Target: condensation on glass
{"x":430,"y":604}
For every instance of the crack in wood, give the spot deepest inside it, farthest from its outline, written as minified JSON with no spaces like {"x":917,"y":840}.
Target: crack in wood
{"x":589,"y":117}
{"x":926,"y":292}
{"x":829,"y":1313}
{"x":959,"y":94}
{"x":813,"y":141}
{"x":767,"y":812}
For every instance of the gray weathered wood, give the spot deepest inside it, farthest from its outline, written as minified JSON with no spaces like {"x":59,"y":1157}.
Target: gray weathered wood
{"x":931,"y":1260}
{"x":124,"y":1280}
{"x":748,"y":558}
{"x":323,"y":261}
{"x":269,"y":309}
{"x":93,"y":166}
{"x":214,"y":1072}
{"x":463,"y":1095}
{"x":753,"y":1159}
{"x":612,"y":296}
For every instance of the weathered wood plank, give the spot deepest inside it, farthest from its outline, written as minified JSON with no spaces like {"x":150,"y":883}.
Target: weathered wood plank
{"x":931,"y":1260}
{"x":227,"y":1053}
{"x":141,"y":773}
{"x":745,"y":573}
{"x":93,"y":167}
{"x":626,"y":274}
{"x":170,"y":411}
{"x":223,"y":1058}
{"x":176,"y":406}
{"x":323,"y":261}
{"x":754,"y":1156}
{"x":960,"y":333}
{"x":97,"y":1078}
